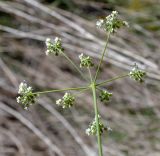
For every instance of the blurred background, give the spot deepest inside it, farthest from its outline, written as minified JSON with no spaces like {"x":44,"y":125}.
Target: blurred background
{"x":47,"y":130}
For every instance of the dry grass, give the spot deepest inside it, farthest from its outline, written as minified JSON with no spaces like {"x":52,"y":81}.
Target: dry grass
{"x":46,"y":129}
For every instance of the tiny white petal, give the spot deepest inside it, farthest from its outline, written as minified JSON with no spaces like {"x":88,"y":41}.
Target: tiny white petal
{"x":48,"y":40}
{"x":109,"y":128}
{"x":18,"y":99}
{"x":57,"y":39}
{"x":58,"y":102}
{"x":81,"y":55}
{"x":47,"y":52}
{"x":99,"y":23}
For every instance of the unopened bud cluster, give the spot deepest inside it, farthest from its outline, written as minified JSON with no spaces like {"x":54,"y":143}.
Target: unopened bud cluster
{"x":54,"y":47}
{"x":105,"y":96}
{"x":26,"y":97}
{"x":137,"y":74}
{"x":86,"y":61}
{"x":111,"y":23}
{"x":67,"y":101}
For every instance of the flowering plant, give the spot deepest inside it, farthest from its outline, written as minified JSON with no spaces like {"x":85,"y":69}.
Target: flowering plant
{"x":110,"y":25}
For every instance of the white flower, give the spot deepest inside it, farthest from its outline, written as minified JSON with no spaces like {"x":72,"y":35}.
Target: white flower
{"x":23,"y":88}
{"x":92,"y":129}
{"x":81,"y":56}
{"x":115,"y":13}
{"x":99,"y":23}
{"x":88,"y":131}
{"x":111,"y":23}
{"x":55,"y":47}
{"x":86,"y":61}
{"x":18,"y":99}
{"x":59,"y":102}
{"x":26,"y":97}
{"x":57,"y":39}
{"x":137,"y":74}
{"x":48,"y":41}
{"x":105,"y":96}
{"x":109,"y":128}
{"x":47,"y":52}
{"x":67,"y":101}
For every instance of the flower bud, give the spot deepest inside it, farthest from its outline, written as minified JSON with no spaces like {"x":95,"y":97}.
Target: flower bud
{"x":137,"y":74}
{"x":86,"y":61}
{"x":26,"y":97}
{"x":92,"y":129}
{"x":54,"y":48}
{"x":111,"y":23}
{"x":67,"y":101}
{"x":105,"y":96}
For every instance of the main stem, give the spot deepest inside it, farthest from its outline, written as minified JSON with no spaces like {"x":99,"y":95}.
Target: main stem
{"x":93,"y":86}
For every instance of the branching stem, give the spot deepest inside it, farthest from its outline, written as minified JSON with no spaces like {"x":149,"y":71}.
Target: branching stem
{"x":101,"y":60}
{"x":113,"y":79}
{"x":60,"y":90}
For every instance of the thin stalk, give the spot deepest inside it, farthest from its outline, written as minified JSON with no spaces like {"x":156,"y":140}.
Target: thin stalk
{"x":100,"y":153}
{"x":110,"y":80}
{"x":90,"y":75}
{"x":60,"y":90}
{"x":75,"y":66}
{"x":81,"y":91}
{"x":101,"y":60}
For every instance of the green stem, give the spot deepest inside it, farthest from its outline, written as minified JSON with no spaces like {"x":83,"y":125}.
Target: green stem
{"x":75,"y":66}
{"x":99,"y":65}
{"x":90,"y":75}
{"x":97,"y":119}
{"x":81,"y":91}
{"x":110,"y":80}
{"x":60,"y":90}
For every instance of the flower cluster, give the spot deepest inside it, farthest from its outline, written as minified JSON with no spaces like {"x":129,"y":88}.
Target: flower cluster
{"x":26,"y":96}
{"x":54,"y":48}
{"x":92,"y":129}
{"x":105,"y":96}
{"x":86,"y":61}
{"x":137,"y":74}
{"x":67,"y":101}
{"x":111,"y":23}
